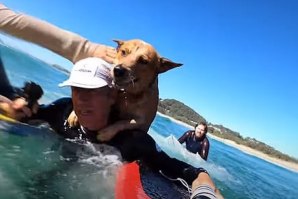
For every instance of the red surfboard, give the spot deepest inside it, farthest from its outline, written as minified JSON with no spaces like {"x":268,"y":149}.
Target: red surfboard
{"x":128,"y":183}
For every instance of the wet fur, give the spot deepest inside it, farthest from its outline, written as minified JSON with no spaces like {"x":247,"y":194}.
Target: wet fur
{"x":135,"y":74}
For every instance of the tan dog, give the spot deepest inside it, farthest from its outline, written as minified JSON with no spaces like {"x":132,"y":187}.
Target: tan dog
{"x":135,"y":74}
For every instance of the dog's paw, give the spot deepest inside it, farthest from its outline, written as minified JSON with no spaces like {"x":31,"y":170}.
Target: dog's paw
{"x":73,"y":119}
{"x":106,"y":134}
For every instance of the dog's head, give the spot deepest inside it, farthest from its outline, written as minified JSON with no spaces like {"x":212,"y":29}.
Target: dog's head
{"x":137,"y":65}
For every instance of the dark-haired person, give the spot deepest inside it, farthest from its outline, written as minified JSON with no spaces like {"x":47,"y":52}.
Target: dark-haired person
{"x":196,"y":140}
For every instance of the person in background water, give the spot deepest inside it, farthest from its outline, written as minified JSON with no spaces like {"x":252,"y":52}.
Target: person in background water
{"x":196,"y":140}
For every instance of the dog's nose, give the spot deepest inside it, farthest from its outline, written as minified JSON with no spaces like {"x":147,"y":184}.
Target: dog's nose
{"x":119,"y":71}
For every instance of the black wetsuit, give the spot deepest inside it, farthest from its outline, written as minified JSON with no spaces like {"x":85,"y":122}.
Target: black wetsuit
{"x":5,"y":87}
{"x":194,"y":144}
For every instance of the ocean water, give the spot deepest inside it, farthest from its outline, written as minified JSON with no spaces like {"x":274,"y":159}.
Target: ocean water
{"x":31,"y":165}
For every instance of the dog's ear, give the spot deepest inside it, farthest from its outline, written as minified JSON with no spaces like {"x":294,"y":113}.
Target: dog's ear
{"x":166,"y":64}
{"x":119,"y":42}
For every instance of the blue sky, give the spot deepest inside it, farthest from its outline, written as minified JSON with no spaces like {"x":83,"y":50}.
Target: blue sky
{"x":240,"y":57}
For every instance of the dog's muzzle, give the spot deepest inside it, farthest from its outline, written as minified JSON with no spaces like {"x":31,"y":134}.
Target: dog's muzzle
{"x":123,"y":77}
{"x":119,"y":71}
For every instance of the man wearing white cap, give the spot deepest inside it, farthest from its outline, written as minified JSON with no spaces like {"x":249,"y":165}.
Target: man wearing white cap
{"x":92,"y":98}
{"x":92,"y":92}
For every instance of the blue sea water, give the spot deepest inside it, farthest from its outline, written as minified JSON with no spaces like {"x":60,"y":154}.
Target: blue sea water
{"x":30,"y":166}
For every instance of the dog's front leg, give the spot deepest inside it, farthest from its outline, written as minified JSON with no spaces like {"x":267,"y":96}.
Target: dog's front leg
{"x":109,"y":132}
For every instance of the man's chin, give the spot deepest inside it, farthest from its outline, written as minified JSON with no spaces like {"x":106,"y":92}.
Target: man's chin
{"x":88,"y":122}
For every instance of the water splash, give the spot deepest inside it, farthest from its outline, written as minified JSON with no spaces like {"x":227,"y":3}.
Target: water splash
{"x":174,"y":149}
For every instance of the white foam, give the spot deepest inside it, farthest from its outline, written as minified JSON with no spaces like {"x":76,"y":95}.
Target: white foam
{"x":100,"y":155}
{"x":174,"y":149}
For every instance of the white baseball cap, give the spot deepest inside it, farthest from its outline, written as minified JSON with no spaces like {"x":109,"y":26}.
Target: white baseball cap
{"x":90,"y":73}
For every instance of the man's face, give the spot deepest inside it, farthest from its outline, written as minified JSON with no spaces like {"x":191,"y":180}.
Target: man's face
{"x":92,"y":106}
{"x":200,"y":131}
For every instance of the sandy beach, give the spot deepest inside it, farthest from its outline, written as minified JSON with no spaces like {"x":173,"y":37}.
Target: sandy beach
{"x":288,"y":165}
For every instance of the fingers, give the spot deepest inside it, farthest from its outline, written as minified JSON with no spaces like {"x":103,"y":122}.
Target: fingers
{"x":19,"y":103}
{"x":110,"y":54}
{"x":107,"y":53}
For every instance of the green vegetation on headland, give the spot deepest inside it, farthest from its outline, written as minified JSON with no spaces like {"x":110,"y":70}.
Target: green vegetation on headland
{"x":182,"y":112}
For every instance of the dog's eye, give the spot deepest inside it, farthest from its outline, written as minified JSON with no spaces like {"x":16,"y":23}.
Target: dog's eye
{"x":123,"y":53}
{"x":143,"y":60}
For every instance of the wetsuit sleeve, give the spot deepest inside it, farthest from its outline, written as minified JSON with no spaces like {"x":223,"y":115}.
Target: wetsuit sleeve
{"x":5,"y":87}
{"x":55,"y":113}
{"x":205,"y":149}
{"x":69,"y":45}
{"x":183,"y":138}
{"x":140,"y":146}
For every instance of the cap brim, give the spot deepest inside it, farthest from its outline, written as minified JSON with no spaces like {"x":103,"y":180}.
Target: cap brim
{"x":80,"y":85}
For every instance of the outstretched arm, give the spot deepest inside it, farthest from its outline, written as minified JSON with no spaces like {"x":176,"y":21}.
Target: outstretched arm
{"x":183,"y":138}
{"x":67,"y":44}
{"x":203,"y":187}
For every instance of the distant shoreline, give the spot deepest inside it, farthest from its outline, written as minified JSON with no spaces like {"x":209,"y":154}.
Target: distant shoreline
{"x":282,"y":163}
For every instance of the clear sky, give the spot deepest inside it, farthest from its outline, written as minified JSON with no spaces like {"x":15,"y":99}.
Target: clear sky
{"x":240,"y":57}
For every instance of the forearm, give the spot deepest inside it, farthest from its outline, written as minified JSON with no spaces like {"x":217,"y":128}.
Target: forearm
{"x":109,"y":132}
{"x":69,"y":45}
{"x":205,"y":150}
{"x":183,"y":138}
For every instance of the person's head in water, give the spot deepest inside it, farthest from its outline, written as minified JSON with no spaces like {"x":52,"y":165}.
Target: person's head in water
{"x":92,"y":92}
{"x":201,"y":129}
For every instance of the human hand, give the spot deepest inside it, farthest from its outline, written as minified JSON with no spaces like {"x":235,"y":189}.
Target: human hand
{"x":73,"y":119}
{"x":20,"y":104}
{"x":107,"y":53}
